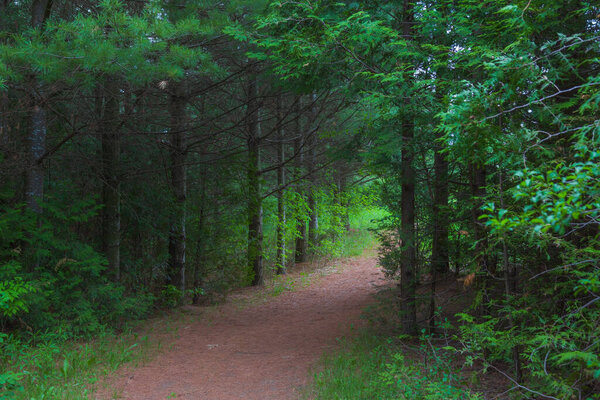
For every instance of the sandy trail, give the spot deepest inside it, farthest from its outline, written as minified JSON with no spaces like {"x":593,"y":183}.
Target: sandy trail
{"x":263,"y":351}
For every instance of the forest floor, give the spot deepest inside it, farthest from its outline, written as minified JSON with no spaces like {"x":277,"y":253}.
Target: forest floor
{"x":256,"y":346}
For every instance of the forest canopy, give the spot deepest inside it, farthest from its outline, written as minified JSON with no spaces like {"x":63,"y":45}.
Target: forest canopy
{"x":158,"y":153}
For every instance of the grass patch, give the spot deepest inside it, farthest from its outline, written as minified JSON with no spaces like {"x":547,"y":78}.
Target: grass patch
{"x":49,"y":367}
{"x":377,"y":367}
{"x":360,"y":237}
{"x":355,"y":242}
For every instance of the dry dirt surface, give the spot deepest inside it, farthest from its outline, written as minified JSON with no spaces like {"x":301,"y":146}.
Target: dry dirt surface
{"x":261,"y":351}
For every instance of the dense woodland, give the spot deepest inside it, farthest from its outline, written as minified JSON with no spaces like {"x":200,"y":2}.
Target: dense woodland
{"x":157,"y":153}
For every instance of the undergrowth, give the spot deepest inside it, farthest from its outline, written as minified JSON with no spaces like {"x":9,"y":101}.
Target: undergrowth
{"x":54,"y":365}
{"x":371,"y":366}
{"x":48,"y":366}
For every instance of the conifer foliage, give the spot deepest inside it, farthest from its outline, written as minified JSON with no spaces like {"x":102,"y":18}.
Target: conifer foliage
{"x":157,"y":152}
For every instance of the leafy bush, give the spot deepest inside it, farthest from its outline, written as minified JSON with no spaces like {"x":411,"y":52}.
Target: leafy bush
{"x":51,"y":279}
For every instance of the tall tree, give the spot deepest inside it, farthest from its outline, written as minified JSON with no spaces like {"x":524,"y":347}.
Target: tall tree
{"x":408,"y":259}
{"x":111,"y":179}
{"x":177,"y":232}
{"x":299,"y":143}
{"x":439,"y":252}
{"x":34,"y":191}
{"x":313,"y":218}
{"x":255,"y":217}
{"x":280,"y":260}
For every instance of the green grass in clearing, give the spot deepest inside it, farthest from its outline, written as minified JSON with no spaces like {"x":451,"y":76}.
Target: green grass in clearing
{"x":360,"y":237}
{"x":371,"y":367}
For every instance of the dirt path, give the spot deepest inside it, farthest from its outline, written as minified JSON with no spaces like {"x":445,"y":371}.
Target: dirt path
{"x":263,"y":351}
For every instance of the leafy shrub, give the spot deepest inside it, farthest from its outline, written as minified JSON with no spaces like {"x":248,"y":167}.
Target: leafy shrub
{"x":51,"y":279}
{"x":170,"y":296}
{"x":12,"y":296}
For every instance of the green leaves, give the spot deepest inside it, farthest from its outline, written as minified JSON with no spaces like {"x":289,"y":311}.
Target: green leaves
{"x":138,"y":49}
{"x":13,"y":296}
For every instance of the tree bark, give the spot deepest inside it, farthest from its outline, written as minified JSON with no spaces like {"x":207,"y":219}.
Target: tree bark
{"x":111,"y":191}
{"x":510,"y":288}
{"x":40,"y":12}
{"x":408,"y":310}
{"x":177,"y":232}
{"x":200,"y":244}
{"x":301,"y":242}
{"x":3,"y":121}
{"x":482,"y":261}
{"x":439,"y":253}
{"x":408,"y":307}
{"x":34,"y":191}
{"x":478,"y":192}
{"x":255,"y":229}
{"x":440,"y":263}
{"x":313,"y":221}
{"x":34,"y":177}
{"x":280,"y":259}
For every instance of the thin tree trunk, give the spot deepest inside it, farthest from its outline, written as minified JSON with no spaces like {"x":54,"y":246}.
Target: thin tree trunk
{"x":40,"y":12}
{"x":3,"y":121}
{"x":478,"y":191}
{"x":34,"y":176}
{"x":408,"y":311}
{"x":439,"y":254}
{"x":343,"y":202}
{"x":408,"y":307}
{"x":458,"y":254}
{"x":440,"y":263}
{"x":313,"y":218}
{"x":313,"y":221}
{"x":111,"y":193}
{"x":510,"y":288}
{"x":34,"y":191}
{"x":280,"y":258}
{"x":301,"y":242}
{"x":177,"y":233}
{"x":255,"y":231}
{"x":433,"y":273}
{"x":200,"y":247}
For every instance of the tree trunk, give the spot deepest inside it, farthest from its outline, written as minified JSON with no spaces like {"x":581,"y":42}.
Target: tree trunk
{"x":40,"y":12}
{"x":3,"y":121}
{"x":313,"y":221}
{"x":34,"y":191}
{"x":200,"y":246}
{"x":408,"y":307}
{"x":439,"y":253}
{"x":440,"y":263}
{"x":407,"y":233}
{"x":34,"y":177}
{"x":111,"y":193}
{"x":301,"y":243}
{"x":255,"y":231}
{"x":457,"y":254}
{"x":343,"y":202}
{"x":280,"y":258}
{"x":177,"y":233}
{"x":478,"y":192}
{"x":510,"y":288}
